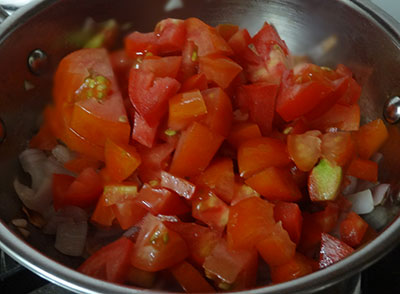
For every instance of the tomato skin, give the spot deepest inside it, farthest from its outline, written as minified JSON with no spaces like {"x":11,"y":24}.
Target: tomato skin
{"x":197,"y":81}
{"x":363,"y":169}
{"x":180,"y":186}
{"x":250,"y":221}
{"x":171,"y":34}
{"x":241,"y":132}
{"x":162,"y":66}
{"x":332,"y":250}
{"x":370,"y":138}
{"x":227,"y":30}
{"x":206,"y":38}
{"x":353,"y":229}
{"x":190,"y":279}
{"x":139,"y":43}
{"x":297,"y":267}
{"x":219,"y":69}
{"x":43,"y":140}
{"x":189,"y":61}
{"x":103,"y":214}
{"x":338,"y":147}
{"x":260,"y":99}
{"x":219,"y":177}
{"x":121,"y":160}
{"x":305,"y":149}
{"x":257,"y":154}
{"x":290,"y":215}
{"x":275,"y":184}
{"x":128,"y":213}
{"x":81,"y":162}
{"x":266,"y":38}
{"x":161,"y":201}
{"x":211,"y":210}
{"x":157,"y":247}
{"x":241,"y":192}
{"x":142,"y":132}
{"x":110,"y":263}
{"x":196,"y":145}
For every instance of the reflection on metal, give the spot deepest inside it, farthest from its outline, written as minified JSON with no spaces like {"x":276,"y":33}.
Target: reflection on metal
{"x":323,"y":47}
{"x":38,"y":61}
{"x":391,"y":110}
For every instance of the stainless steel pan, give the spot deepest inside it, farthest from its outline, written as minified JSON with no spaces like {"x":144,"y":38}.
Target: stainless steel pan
{"x":362,"y":37}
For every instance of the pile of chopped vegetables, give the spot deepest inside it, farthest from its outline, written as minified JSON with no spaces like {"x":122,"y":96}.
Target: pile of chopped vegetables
{"x":203,"y":158}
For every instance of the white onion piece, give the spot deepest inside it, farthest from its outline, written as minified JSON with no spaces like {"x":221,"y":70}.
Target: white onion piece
{"x":71,"y":238}
{"x":32,"y":161}
{"x":351,"y":187}
{"x":377,"y":218}
{"x":377,"y":157}
{"x":38,"y":201}
{"x":379,"y":192}
{"x":52,"y":225}
{"x":64,"y":215}
{"x":62,"y":153}
{"x":52,"y":166}
{"x":362,"y":202}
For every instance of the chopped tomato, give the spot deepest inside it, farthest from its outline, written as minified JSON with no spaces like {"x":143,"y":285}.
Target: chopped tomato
{"x":353,"y":229}
{"x":266,"y":38}
{"x":119,"y":193}
{"x":370,"y":138}
{"x":338,"y":147}
{"x":332,"y":250}
{"x":305,"y":149}
{"x":103,"y":214}
{"x":250,"y":221}
{"x":128,"y":213}
{"x":197,"y":81}
{"x":180,"y":186}
{"x":219,"y":69}
{"x":83,"y":191}
{"x":171,"y":34}
{"x":121,"y":160}
{"x":211,"y":210}
{"x":43,"y":140}
{"x":81,"y":162}
{"x":241,"y":132}
{"x":190,"y":61}
{"x":197,"y":145}
{"x":242,"y":191}
{"x":297,"y":267}
{"x":185,"y":108}
{"x":257,"y":154}
{"x":138,"y":43}
{"x":162,"y":66}
{"x":363,"y":169}
{"x":219,"y":111}
{"x":161,"y":201}
{"x":275,"y":184}
{"x":190,"y":279}
{"x":110,"y":263}
{"x":227,"y":30}
{"x":290,"y":215}
{"x":142,"y":132}
{"x":157,"y":247}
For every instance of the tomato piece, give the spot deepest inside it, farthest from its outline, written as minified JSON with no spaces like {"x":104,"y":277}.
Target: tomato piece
{"x":128,"y":213}
{"x":227,"y":30}
{"x":337,"y":147}
{"x":121,"y":65}
{"x":208,"y":208}
{"x":370,"y":138}
{"x":332,"y":250}
{"x":206,"y":38}
{"x":138,"y":43}
{"x":180,"y":186}
{"x":241,"y":132}
{"x":257,"y":154}
{"x":197,"y":81}
{"x":277,"y":248}
{"x":43,"y":140}
{"x":297,"y":267}
{"x":341,"y":117}
{"x":142,"y":132}
{"x":305,"y":149}
{"x":290,"y":215}
{"x":190,"y":279}
{"x":363,"y":169}
{"x":110,"y":263}
{"x":219,"y":69}
{"x":352,"y":94}
{"x":239,"y":42}
{"x":219,"y":177}
{"x":219,"y":111}
{"x":185,"y":108}
{"x":121,"y":160}
{"x":83,"y":191}
{"x":162,"y":66}
{"x":196,"y":145}
{"x":103,"y":214}
{"x":353,"y":229}
{"x":225,"y":266}
{"x":140,"y":278}
{"x":171,"y":34}
{"x":241,"y":192}
{"x":153,"y":161}
{"x":161,"y":201}
{"x":250,"y":221}
{"x":275,"y":184}
{"x":149,"y":94}
{"x":81,"y":162}
{"x":157,"y":247}
{"x":116,"y":193}
{"x":200,"y":240}
{"x":266,"y":38}
{"x":190,"y":61}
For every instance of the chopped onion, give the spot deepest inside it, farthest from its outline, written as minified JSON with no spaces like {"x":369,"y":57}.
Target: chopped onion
{"x":52,"y":166}
{"x":379,"y":192}
{"x":362,"y":202}
{"x":377,"y":218}
{"x":38,"y":201}
{"x":71,"y":238}
{"x":65,"y":215}
{"x":351,"y":187}
{"x":62,"y":154}
{"x":365,"y":185}
{"x":54,"y":222}
{"x":32,"y":161}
